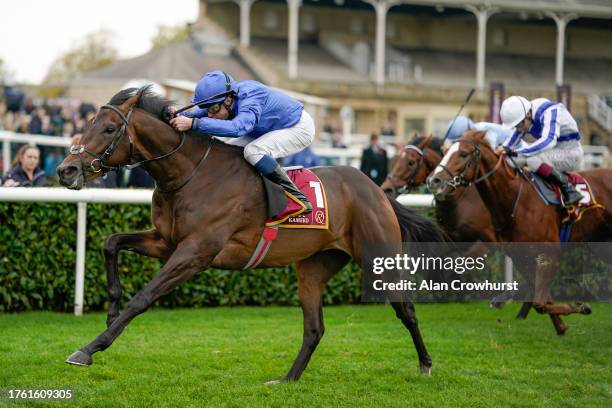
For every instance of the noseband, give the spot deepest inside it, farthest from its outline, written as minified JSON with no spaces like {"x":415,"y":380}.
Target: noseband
{"x":112,"y":147}
{"x":459,"y":179}
{"x":409,"y":185}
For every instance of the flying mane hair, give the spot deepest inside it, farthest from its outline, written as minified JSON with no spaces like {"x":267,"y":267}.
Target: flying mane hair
{"x":150,"y":101}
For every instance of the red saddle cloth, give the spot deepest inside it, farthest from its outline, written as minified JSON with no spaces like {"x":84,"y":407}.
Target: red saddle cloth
{"x":313,"y":189}
{"x":588,"y":199}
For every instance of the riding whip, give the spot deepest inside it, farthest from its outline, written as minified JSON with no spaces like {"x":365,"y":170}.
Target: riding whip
{"x":465,"y":102}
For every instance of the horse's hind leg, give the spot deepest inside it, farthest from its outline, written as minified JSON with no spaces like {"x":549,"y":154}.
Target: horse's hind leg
{"x":148,"y":243}
{"x":406,"y":313}
{"x":313,"y":274}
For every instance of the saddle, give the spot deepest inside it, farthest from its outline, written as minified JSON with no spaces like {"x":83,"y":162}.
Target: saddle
{"x":283,"y":210}
{"x":551,"y":195}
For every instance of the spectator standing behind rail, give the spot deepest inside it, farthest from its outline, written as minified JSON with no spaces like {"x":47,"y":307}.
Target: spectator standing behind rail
{"x":25,"y":171}
{"x":374,"y":161}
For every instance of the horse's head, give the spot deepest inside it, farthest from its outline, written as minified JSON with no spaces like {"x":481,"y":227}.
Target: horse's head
{"x":459,"y":167}
{"x":411,"y":168}
{"x":107,"y":141}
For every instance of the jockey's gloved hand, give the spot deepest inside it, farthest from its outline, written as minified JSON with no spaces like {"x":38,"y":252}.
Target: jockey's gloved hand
{"x":509,"y":152}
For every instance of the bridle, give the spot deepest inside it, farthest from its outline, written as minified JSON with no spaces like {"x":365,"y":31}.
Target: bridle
{"x":474,"y":157}
{"x":112,"y":147}
{"x":409,"y":185}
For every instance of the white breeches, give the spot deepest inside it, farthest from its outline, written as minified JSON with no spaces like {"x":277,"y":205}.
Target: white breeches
{"x":278,"y":143}
{"x":565,"y":156}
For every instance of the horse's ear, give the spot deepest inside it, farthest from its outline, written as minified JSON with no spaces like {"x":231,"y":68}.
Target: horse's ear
{"x":423,"y":145}
{"x":480,"y":135}
{"x":131,"y":102}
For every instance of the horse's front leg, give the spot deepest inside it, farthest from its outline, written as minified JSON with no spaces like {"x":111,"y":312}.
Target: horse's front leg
{"x":148,"y":243}
{"x":188,"y":259}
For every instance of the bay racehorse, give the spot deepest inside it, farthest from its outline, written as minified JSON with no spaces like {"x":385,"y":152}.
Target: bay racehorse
{"x":209,"y":209}
{"x":464,"y":217}
{"x":519,"y":214}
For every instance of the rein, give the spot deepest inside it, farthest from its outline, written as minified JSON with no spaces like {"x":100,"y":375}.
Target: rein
{"x":79,"y":149}
{"x":459,"y":180}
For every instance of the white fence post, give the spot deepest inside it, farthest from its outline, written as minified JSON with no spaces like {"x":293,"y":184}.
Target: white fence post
{"x":508,"y":270}
{"x":79,"y":281}
{"x":6,"y":156}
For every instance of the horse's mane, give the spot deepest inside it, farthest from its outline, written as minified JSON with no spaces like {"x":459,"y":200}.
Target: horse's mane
{"x":156,"y":105}
{"x":477,"y":137}
{"x":150,"y":101}
{"x":434,"y":144}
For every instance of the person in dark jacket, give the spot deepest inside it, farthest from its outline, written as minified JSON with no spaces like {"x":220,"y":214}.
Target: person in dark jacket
{"x":25,"y":171}
{"x":374,"y":161}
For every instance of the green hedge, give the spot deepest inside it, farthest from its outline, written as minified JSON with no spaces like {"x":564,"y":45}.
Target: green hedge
{"x":37,"y":264}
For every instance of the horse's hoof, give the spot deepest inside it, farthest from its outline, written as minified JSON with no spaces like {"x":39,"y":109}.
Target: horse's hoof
{"x":561,"y":330}
{"x":425,"y":369}
{"x":274,"y":382}
{"x":496,"y":305}
{"x":80,"y":359}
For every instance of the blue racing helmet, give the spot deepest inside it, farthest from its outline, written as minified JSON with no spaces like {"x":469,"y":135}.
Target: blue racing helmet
{"x":458,"y":127}
{"x":213,"y":88}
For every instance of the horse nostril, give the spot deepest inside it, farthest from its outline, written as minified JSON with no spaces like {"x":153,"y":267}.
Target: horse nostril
{"x":67,"y":172}
{"x":434,"y":181}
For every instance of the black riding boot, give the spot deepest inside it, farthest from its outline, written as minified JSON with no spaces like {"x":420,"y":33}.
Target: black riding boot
{"x":570,"y":195}
{"x":279,"y":176}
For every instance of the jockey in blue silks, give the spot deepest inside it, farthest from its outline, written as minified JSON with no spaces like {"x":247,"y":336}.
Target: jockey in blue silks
{"x":557,"y":146}
{"x":267,"y":123}
{"x":496,"y":134}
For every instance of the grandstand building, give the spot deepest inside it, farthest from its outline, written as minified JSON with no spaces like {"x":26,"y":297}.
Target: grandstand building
{"x":404,"y":65}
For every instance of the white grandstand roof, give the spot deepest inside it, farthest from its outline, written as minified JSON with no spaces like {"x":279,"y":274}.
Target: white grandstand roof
{"x":584,"y":8}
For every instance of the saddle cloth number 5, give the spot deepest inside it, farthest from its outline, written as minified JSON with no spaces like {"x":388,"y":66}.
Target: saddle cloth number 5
{"x":584,"y":190}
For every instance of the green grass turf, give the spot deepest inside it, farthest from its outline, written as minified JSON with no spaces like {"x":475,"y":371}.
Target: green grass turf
{"x":222,"y":357}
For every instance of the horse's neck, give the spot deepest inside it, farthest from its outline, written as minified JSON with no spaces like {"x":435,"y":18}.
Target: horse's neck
{"x":432,"y":158}
{"x":154,"y":139}
{"x":499,"y":191}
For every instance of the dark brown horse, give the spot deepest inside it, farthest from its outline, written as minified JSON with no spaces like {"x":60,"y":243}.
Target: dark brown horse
{"x":464,"y":217}
{"x":517,"y":211}
{"x":209,"y":210}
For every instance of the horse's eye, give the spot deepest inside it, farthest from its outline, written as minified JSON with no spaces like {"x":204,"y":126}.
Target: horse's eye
{"x":411,"y":162}
{"x":463,"y":155}
{"x":109,"y":129}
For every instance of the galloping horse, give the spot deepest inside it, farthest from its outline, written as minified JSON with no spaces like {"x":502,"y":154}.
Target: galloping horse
{"x":464,"y":217}
{"x":517,"y":211}
{"x":209,"y":209}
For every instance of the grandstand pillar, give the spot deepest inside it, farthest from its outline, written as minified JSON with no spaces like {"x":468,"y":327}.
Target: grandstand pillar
{"x":482,"y":15}
{"x":294,"y":8}
{"x":381,"y":7}
{"x":245,"y":22}
{"x":561,"y":20}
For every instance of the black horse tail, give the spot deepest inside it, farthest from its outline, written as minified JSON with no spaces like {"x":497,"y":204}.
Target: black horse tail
{"x":415,"y":227}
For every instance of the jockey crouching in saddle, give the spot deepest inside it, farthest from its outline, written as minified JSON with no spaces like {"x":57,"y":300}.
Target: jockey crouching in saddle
{"x":557,"y":147}
{"x":267,"y":123}
{"x":496,"y":134}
